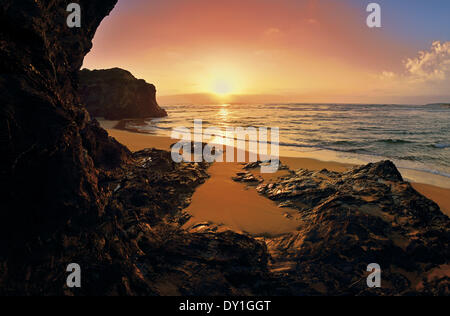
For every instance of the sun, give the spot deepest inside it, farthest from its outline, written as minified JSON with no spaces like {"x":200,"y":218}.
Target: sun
{"x":222,"y":79}
{"x":222,"y":87}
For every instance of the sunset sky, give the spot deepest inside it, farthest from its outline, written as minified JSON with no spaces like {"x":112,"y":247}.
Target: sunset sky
{"x":280,"y":51}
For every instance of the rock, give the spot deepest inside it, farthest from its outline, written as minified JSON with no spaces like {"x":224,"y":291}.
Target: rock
{"x":104,"y":150}
{"x":51,"y":176}
{"x":385,"y":170}
{"x":258,"y":164}
{"x":247,"y":177}
{"x":351,"y":220}
{"x":116,"y":94}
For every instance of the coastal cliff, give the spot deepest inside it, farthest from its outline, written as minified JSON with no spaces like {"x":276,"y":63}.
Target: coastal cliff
{"x":116,"y":94}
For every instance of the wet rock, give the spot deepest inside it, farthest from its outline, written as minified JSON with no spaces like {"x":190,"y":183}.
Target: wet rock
{"x":258,"y":164}
{"x":385,"y":170}
{"x":352,"y":219}
{"x":247,"y":177}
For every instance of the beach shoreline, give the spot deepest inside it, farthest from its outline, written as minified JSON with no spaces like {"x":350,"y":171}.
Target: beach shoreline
{"x":236,"y":206}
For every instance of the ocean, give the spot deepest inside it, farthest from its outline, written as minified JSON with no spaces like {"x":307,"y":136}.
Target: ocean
{"x":416,"y":138}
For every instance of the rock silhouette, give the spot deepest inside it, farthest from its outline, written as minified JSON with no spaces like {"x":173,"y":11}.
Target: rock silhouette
{"x":116,"y":94}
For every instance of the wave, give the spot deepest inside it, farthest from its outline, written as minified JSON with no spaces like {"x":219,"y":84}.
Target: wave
{"x":394,"y":141}
{"x":427,"y":170}
{"x":441,"y":146}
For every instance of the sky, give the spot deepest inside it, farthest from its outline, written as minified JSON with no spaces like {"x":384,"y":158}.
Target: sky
{"x":280,"y":51}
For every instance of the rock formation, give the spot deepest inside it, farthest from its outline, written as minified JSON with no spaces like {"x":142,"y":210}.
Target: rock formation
{"x":51,"y":178}
{"x":116,"y":94}
{"x":350,"y":220}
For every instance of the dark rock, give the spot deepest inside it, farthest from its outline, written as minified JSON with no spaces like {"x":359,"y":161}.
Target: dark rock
{"x":116,"y":94}
{"x":104,"y":150}
{"x":385,"y":170}
{"x":366,"y":215}
{"x":247,"y":177}
{"x":51,"y":178}
{"x":257,"y":164}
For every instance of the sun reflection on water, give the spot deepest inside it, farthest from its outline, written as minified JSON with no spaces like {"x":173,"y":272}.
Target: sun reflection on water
{"x":224,"y":112}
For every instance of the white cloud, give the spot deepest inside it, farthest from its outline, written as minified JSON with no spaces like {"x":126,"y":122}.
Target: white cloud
{"x":387,"y":75}
{"x":427,"y":74}
{"x":431,"y":65}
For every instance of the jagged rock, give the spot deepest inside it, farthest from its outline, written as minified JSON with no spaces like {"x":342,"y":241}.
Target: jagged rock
{"x":104,"y":150}
{"x":258,"y":164}
{"x":247,"y":177}
{"x":353,"y":219}
{"x":116,"y":94}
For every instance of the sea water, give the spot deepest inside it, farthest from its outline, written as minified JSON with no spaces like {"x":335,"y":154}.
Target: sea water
{"x":415,"y":137}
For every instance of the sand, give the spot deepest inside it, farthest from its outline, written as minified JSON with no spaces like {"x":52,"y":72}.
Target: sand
{"x":224,"y":202}
{"x":439,"y":195}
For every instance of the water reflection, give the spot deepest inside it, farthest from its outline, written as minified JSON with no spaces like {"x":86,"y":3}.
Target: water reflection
{"x":224,"y":112}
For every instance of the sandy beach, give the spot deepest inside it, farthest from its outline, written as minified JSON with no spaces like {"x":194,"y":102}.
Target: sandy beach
{"x":240,"y":207}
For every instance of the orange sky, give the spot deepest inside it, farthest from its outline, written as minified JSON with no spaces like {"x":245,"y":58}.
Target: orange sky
{"x":303,"y":51}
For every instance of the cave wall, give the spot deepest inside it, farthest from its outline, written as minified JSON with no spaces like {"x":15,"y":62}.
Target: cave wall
{"x":49,"y":175}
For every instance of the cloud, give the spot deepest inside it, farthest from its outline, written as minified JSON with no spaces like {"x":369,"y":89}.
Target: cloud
{"x":387,"y":75}
{"x":431,"y":65}
{"x":426,"y":75}
{"x":273,"y":31}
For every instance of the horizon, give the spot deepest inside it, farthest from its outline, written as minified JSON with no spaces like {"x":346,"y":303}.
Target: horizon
{"x":233,"y":99}
{"x":304,"y":50}
{"x":211,"y":99}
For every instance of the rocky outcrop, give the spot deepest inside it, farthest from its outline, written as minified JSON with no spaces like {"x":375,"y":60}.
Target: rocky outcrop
{"x":116,"y":94}
{"x":105,"y":151}
{"x":367,"y":215}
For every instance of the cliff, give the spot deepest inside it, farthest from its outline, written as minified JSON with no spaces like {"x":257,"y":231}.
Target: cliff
{"x":116,"y":94}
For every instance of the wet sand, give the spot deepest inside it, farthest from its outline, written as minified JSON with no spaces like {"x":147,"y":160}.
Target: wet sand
{"x":222,"y":201}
